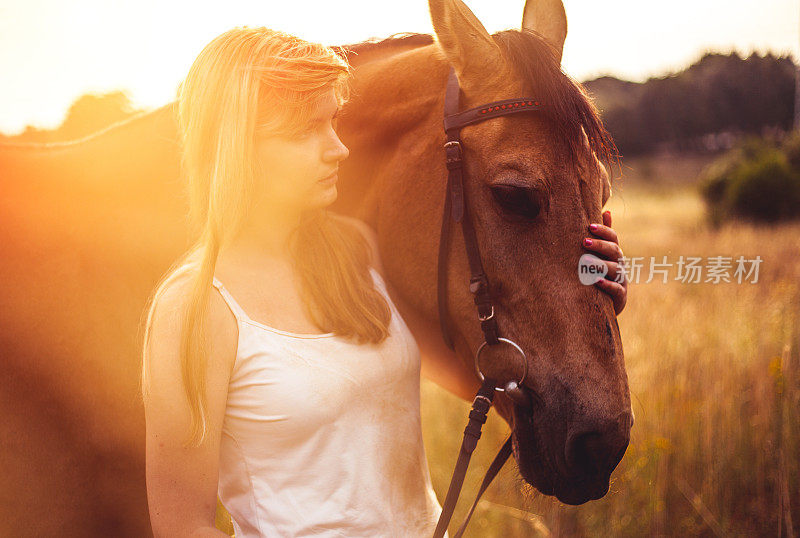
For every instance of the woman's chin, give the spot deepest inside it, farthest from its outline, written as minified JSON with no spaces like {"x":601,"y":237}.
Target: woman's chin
{"x":326,"y":196}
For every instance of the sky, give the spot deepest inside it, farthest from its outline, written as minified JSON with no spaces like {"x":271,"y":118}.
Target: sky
{"x":53,"y":51}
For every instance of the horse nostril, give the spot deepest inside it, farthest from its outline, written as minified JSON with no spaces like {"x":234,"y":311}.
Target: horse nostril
{"x":585,"y":453}
{"x":590,"y":452}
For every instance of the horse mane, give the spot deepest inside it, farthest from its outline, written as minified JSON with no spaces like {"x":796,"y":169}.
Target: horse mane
{"x":402,"y":39}
{"x":566,"y":102}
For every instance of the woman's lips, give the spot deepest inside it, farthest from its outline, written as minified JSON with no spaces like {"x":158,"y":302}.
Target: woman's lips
{"x":331,"y":179}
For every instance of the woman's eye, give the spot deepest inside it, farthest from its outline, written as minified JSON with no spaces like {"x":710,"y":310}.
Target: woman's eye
{"x":316,"y":127}
{"x":517,"y":201}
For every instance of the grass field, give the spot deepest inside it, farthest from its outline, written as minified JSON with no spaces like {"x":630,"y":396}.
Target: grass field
{"x":714,"y":371}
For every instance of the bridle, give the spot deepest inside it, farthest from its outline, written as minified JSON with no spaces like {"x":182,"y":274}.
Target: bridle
{"x":456,"y":208}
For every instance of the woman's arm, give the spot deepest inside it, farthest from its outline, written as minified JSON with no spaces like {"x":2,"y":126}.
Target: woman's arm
{"x":182,"y":482}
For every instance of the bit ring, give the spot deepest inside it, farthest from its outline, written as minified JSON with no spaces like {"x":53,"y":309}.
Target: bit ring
{"x":511,"y":343}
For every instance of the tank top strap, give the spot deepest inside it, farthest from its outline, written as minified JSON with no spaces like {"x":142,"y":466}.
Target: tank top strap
{"x":237,"y":310}
{"x":377,"y":278}
{"x":241,"y":315}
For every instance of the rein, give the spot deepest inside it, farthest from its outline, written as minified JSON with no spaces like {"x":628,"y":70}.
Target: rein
{"x":456,"y":208}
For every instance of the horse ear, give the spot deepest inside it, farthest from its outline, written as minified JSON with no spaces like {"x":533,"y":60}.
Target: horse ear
{"x":548,"y":19}
{"x":465,"y":42}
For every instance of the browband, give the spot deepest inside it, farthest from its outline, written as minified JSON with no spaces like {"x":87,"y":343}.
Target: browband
{"x":490,"y":110}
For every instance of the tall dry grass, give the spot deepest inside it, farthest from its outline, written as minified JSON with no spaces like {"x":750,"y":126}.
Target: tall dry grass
{"x":714,"y":377}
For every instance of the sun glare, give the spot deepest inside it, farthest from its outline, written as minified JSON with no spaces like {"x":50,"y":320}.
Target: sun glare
{"x":53,"y":52}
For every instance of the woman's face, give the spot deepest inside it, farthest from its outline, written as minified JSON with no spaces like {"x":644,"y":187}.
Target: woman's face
{"x":301,"y":171}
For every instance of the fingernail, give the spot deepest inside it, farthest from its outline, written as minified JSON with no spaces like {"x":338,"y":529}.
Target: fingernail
{"x":593,"y":227}
{"x":587,"y":242}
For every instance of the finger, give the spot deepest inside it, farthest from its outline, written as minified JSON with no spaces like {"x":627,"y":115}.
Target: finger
{"x":609,"y":250}
{"x":607,"y":218}
{"x":616,"y":272}
{"x":615,"y":290}
{"x":604,"y":232}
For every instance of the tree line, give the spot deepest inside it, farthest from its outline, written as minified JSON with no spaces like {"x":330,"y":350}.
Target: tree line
{"x":707,"y":106}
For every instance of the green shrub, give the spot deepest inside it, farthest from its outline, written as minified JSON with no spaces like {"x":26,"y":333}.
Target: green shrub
{"x":756,"y":182}
{"x":765,"y":189}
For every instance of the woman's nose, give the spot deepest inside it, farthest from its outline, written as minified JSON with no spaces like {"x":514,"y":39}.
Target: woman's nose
{"x":337,"y":151}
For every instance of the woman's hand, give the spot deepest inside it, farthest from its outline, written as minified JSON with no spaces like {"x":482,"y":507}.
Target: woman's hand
{"x":607,"y":248}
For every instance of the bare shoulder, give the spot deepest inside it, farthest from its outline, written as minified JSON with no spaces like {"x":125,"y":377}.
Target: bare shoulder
{"x":368,"y":233}
{"x":167,"y":327}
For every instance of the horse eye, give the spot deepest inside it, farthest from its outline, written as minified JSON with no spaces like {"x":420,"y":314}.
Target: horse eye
{"x":517,"y":201}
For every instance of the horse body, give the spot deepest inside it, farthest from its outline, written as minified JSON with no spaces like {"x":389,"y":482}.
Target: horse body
{"x":82,"y":244}
{"x":88,"y":227}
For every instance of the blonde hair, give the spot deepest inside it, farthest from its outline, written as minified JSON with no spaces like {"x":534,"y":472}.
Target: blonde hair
{"x":250,"y":81}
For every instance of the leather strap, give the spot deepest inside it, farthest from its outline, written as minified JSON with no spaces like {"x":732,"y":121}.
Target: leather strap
{"x":457,"y":209}
{"x":457,"y":120}
{"x":444,"y":245}
{"x":477,"y":418}
{"x":497,"y":464}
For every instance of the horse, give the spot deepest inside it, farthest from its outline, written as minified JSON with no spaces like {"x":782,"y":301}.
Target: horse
{"x":87,"y":228}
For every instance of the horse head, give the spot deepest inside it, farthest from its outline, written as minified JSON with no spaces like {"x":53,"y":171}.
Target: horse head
{"x":533,"y":182}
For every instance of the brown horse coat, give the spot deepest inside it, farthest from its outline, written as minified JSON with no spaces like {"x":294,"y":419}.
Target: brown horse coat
{"x":87,"y":228}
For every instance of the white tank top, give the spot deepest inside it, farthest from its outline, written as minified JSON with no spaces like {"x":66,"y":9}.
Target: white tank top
{"x":322,"y":436}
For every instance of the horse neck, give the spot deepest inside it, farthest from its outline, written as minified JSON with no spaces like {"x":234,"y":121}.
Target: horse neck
{"x":134,"y":154}
{"x":360,"y":54}
{"x":394,"y":116}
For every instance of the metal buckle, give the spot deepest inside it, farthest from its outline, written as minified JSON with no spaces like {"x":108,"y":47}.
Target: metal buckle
{"x":476,"y":283}
{"x":481,"y":397}
{"x":511,"y":343}
{"x":486,"y":318}
{"x":453,"y":156}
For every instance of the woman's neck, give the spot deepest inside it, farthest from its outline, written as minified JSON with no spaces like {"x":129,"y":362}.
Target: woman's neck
{"x":265,"y":235}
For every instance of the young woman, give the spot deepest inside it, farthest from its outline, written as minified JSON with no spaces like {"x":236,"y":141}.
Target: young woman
{"x":277,"y":373}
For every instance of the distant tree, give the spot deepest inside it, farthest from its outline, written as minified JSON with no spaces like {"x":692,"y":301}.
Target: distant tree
{"x":87,"y":114}
{"x":33,"y":134}
{"x":720,"y":93}
{"x":92,"y":112}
